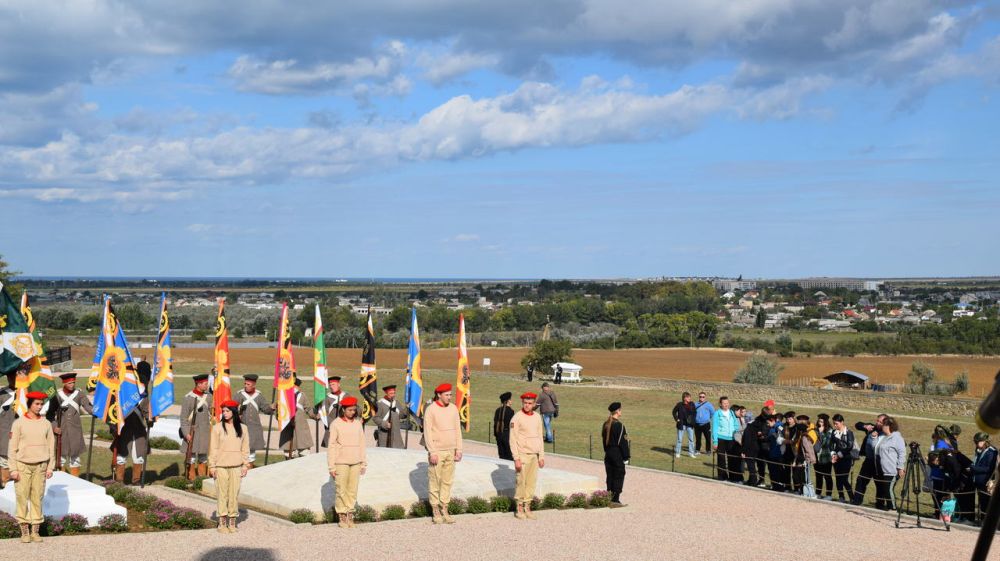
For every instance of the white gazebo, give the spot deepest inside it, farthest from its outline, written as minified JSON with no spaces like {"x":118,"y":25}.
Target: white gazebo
{"x":570,"y":371}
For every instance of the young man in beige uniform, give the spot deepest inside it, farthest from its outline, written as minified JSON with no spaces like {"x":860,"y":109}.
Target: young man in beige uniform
{"x":443,"y":440}
{"x":528,"y":449}
{"x":31,"y":452}
{"x":346,"y":459}
{"x":228,"y":462}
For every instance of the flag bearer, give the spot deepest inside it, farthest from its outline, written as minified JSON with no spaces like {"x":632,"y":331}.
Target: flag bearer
{"x":228,"y":462}
{"x":346,"y":459}
{"x":334,"y":395}
{"x":252,"y":404}
{"x":7,"y":416}
{"x":64,"y":413}
{"x":528,"y":449}
{"x":388,"y":415}
{"x":196,"y":415}
{"x":443,"y":440}
{"x":31,"y":452}
{"x":297,"y":432}
{"x":501,"y":426}
{"x":132,"y":441}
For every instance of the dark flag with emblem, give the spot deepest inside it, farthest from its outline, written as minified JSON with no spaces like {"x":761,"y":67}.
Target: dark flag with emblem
{"x":16,"y":344}
{"x":368,"y":384}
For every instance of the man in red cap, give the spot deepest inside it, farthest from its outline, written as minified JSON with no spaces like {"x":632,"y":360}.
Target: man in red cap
{"x":443,"y":440}
{"x":64,"y":413}
{"x":528,"y":449}
{"x":346,"y":459}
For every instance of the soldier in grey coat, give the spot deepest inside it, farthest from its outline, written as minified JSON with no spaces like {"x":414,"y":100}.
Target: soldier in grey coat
{"x":297,"y":433}
{"x":132,"y":442}
{"x":252,"y":404}
{"x":7,"y":416}
{"x":334,"y":395}
{"x":64,"y":413}
{"x":388,"y":414}
{"x":196,"y":414}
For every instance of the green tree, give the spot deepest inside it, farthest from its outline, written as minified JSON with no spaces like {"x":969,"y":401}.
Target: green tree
{"x":6,"y":274}
{"x":761,"y":319}
{"x":920,"y":377}
{"x":232,"y":298}
{"x":546,"y":353}
{"x":961,"y":383}
{"x":758,"y":369}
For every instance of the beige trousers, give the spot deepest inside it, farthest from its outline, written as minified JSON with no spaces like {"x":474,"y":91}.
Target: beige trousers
{"x":348,"y":477}
{"x":29,"y":492}
{"x":524,"y":490}
{"x":439,"y":479}
{"x":227,"y":490}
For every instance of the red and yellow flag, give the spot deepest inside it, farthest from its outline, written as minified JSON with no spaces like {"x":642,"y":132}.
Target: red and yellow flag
{"x":284,"y":373}
{"x":222,"y":389}
{"x":463,"y":398}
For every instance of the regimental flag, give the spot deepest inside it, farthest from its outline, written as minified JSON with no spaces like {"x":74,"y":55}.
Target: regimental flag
{"x":18,"y":344}
{"x":319,"y":368}
{"x":161,"y":395}
{"x":118,"y":390}
{"x":222,"y":390}
{"x":368,"y":382}
{"x":414,"y":377}
{"x":284,"y":373}
{"x":463,"y":382}
{"x":38,"y":378}
{"x":95,"y":368}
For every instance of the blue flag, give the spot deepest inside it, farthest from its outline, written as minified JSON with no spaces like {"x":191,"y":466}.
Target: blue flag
{"x":414,"y":377}
{"x":161,"y":396}
{"x":118,"y":390}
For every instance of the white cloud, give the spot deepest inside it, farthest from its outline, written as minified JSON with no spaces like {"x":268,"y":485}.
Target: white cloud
{"x":443,"y":67}
{"x":466,"y":238}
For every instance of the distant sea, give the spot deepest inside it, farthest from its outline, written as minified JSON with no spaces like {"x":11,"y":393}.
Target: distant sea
{"x":344,"y":280}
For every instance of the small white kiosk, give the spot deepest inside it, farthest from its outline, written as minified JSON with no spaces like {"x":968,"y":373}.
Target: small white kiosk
{"x":570,"y":371}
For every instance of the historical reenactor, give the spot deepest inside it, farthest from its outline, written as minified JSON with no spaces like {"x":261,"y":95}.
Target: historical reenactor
{"x":388,"y":416}
{"x":528,"y":448}
{"x":501,"y":426}
{"x":346,"y":459}
{"x":196,"y":418}
{"x":228,"y":462}
{"x":251,"y":404}
{"x":31,"y":453}
{"x":616,"y":452}
{"x":443,"y":440}
{"x":334,"y":395}
{"x":64,"y":413}
{"x":132,"y":442}
{"x":298,"y":433}
{"x":7,"y":416}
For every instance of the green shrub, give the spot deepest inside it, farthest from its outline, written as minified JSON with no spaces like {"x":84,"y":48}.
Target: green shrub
{"x":122,"y":494}
{"x":8,"y":526}
{"x":176,"y":482}
{"x":456,"y":506}
{"x":393,"y":512}
{"x":420,"y":509}
{"x":477,"y":505}
{"x":576,"y":500}
{"x":67,"y":525}
{"x":600,"y":499}
{"x":553,"y":500}
{"x":501,"y":503}
{"x":103,"y":434}
{"x":365,"y":513}
{"x":196,"y":484}
{"x":536,"y":503}
{"x":164,"y":443}
{"x":112,"y":523}
{"x":140,"y":501}
{"x":301,"y":516}
{"x":189,"y":519}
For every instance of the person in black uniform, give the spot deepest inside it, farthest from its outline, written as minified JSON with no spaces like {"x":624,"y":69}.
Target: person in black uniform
{"x":501,"y":426}
{"x":616,"y":452}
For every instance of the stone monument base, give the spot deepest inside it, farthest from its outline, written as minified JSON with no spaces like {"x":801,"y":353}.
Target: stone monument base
{"x":66,"y":494}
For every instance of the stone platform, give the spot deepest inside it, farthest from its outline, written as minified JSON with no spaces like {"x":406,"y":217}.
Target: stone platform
{"x":394,"y":477}
{"x":65,"y":494}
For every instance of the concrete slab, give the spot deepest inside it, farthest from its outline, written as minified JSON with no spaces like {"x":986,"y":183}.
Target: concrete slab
{"x":168,"y":427}
{"x":394,"y":477}
{"x":65,"y":494}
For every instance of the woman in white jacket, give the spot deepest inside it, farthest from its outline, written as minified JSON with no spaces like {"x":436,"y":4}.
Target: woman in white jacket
{"x":890,"y":459}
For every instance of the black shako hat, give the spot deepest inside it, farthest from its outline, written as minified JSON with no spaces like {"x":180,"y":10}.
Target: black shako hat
{"x":614,"y":406}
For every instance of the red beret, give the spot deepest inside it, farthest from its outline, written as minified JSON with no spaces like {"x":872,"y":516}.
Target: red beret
{"x":769,"y":403}
{"x":37,"y":395}
{"x":230,"y":403}
{"x":529,"y":395}
{"x":349,"y":401}
{"x":443,"y":388}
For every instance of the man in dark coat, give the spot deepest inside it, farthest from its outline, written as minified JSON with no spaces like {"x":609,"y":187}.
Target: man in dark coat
{"x":501,"y":426}
{"x":683,"y":415}
{"x":754,"y":442}
{"x":867,"y":473}
{"x":616,"y":452}
{"x":252,"y":403}
{"x":64,"y":414}
{"x":7,"y":417}
{"x":132,"y":441}
{"x":196,"y":426}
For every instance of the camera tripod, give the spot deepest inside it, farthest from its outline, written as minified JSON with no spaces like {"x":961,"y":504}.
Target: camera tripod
{"x":913,"y":479}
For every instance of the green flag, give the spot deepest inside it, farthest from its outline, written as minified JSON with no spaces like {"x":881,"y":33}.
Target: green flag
{"x":18,"y":345}
{"x":319,"y":369}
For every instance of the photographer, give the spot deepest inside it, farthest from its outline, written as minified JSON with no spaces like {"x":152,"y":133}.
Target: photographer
{"x":890,"y":456}
{"x":867,"y":473}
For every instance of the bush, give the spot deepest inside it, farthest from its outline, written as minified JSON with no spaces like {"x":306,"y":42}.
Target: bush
{"x":501,"y":503}
{"x":456,"y":506}
{"x":600,"y":499}
{"x":164,"y":443}
{"x":553,"y":500}
{"x":393,"y":512}
{"x":176,"y":482}
{"x":161,"y":515}
{"x":961,"y":383}
{"x":365,"y":513}
{"x":301,"y":516}
{"x":576,"y":500}
{"x":196,"y":484}
{"x":122,"y":494}
{"x":758,"y":369}
{"x":112,"y":523}
{"x":420,"y":509}
{"x":477,"y":505}
{"x":67,"y":525}
{"x":536,"y":503}
{"x":189,"y":519}
{"x":140,"y":501}
{"x":103,"y":434}
{"x":8,"y":526}
{"x":330,"y":516}
{"x":921,"y":375}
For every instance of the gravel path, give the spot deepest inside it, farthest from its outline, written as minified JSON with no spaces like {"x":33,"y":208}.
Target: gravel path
{"x":669,"y":516}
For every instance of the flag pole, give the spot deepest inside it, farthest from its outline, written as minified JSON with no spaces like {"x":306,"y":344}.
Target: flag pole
{"x":149,"y":393}
{"x":90,"y":452}
{"x":270,"y":425}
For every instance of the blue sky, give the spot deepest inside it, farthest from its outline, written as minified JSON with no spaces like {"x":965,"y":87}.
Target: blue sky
{"x":573,"y":138}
